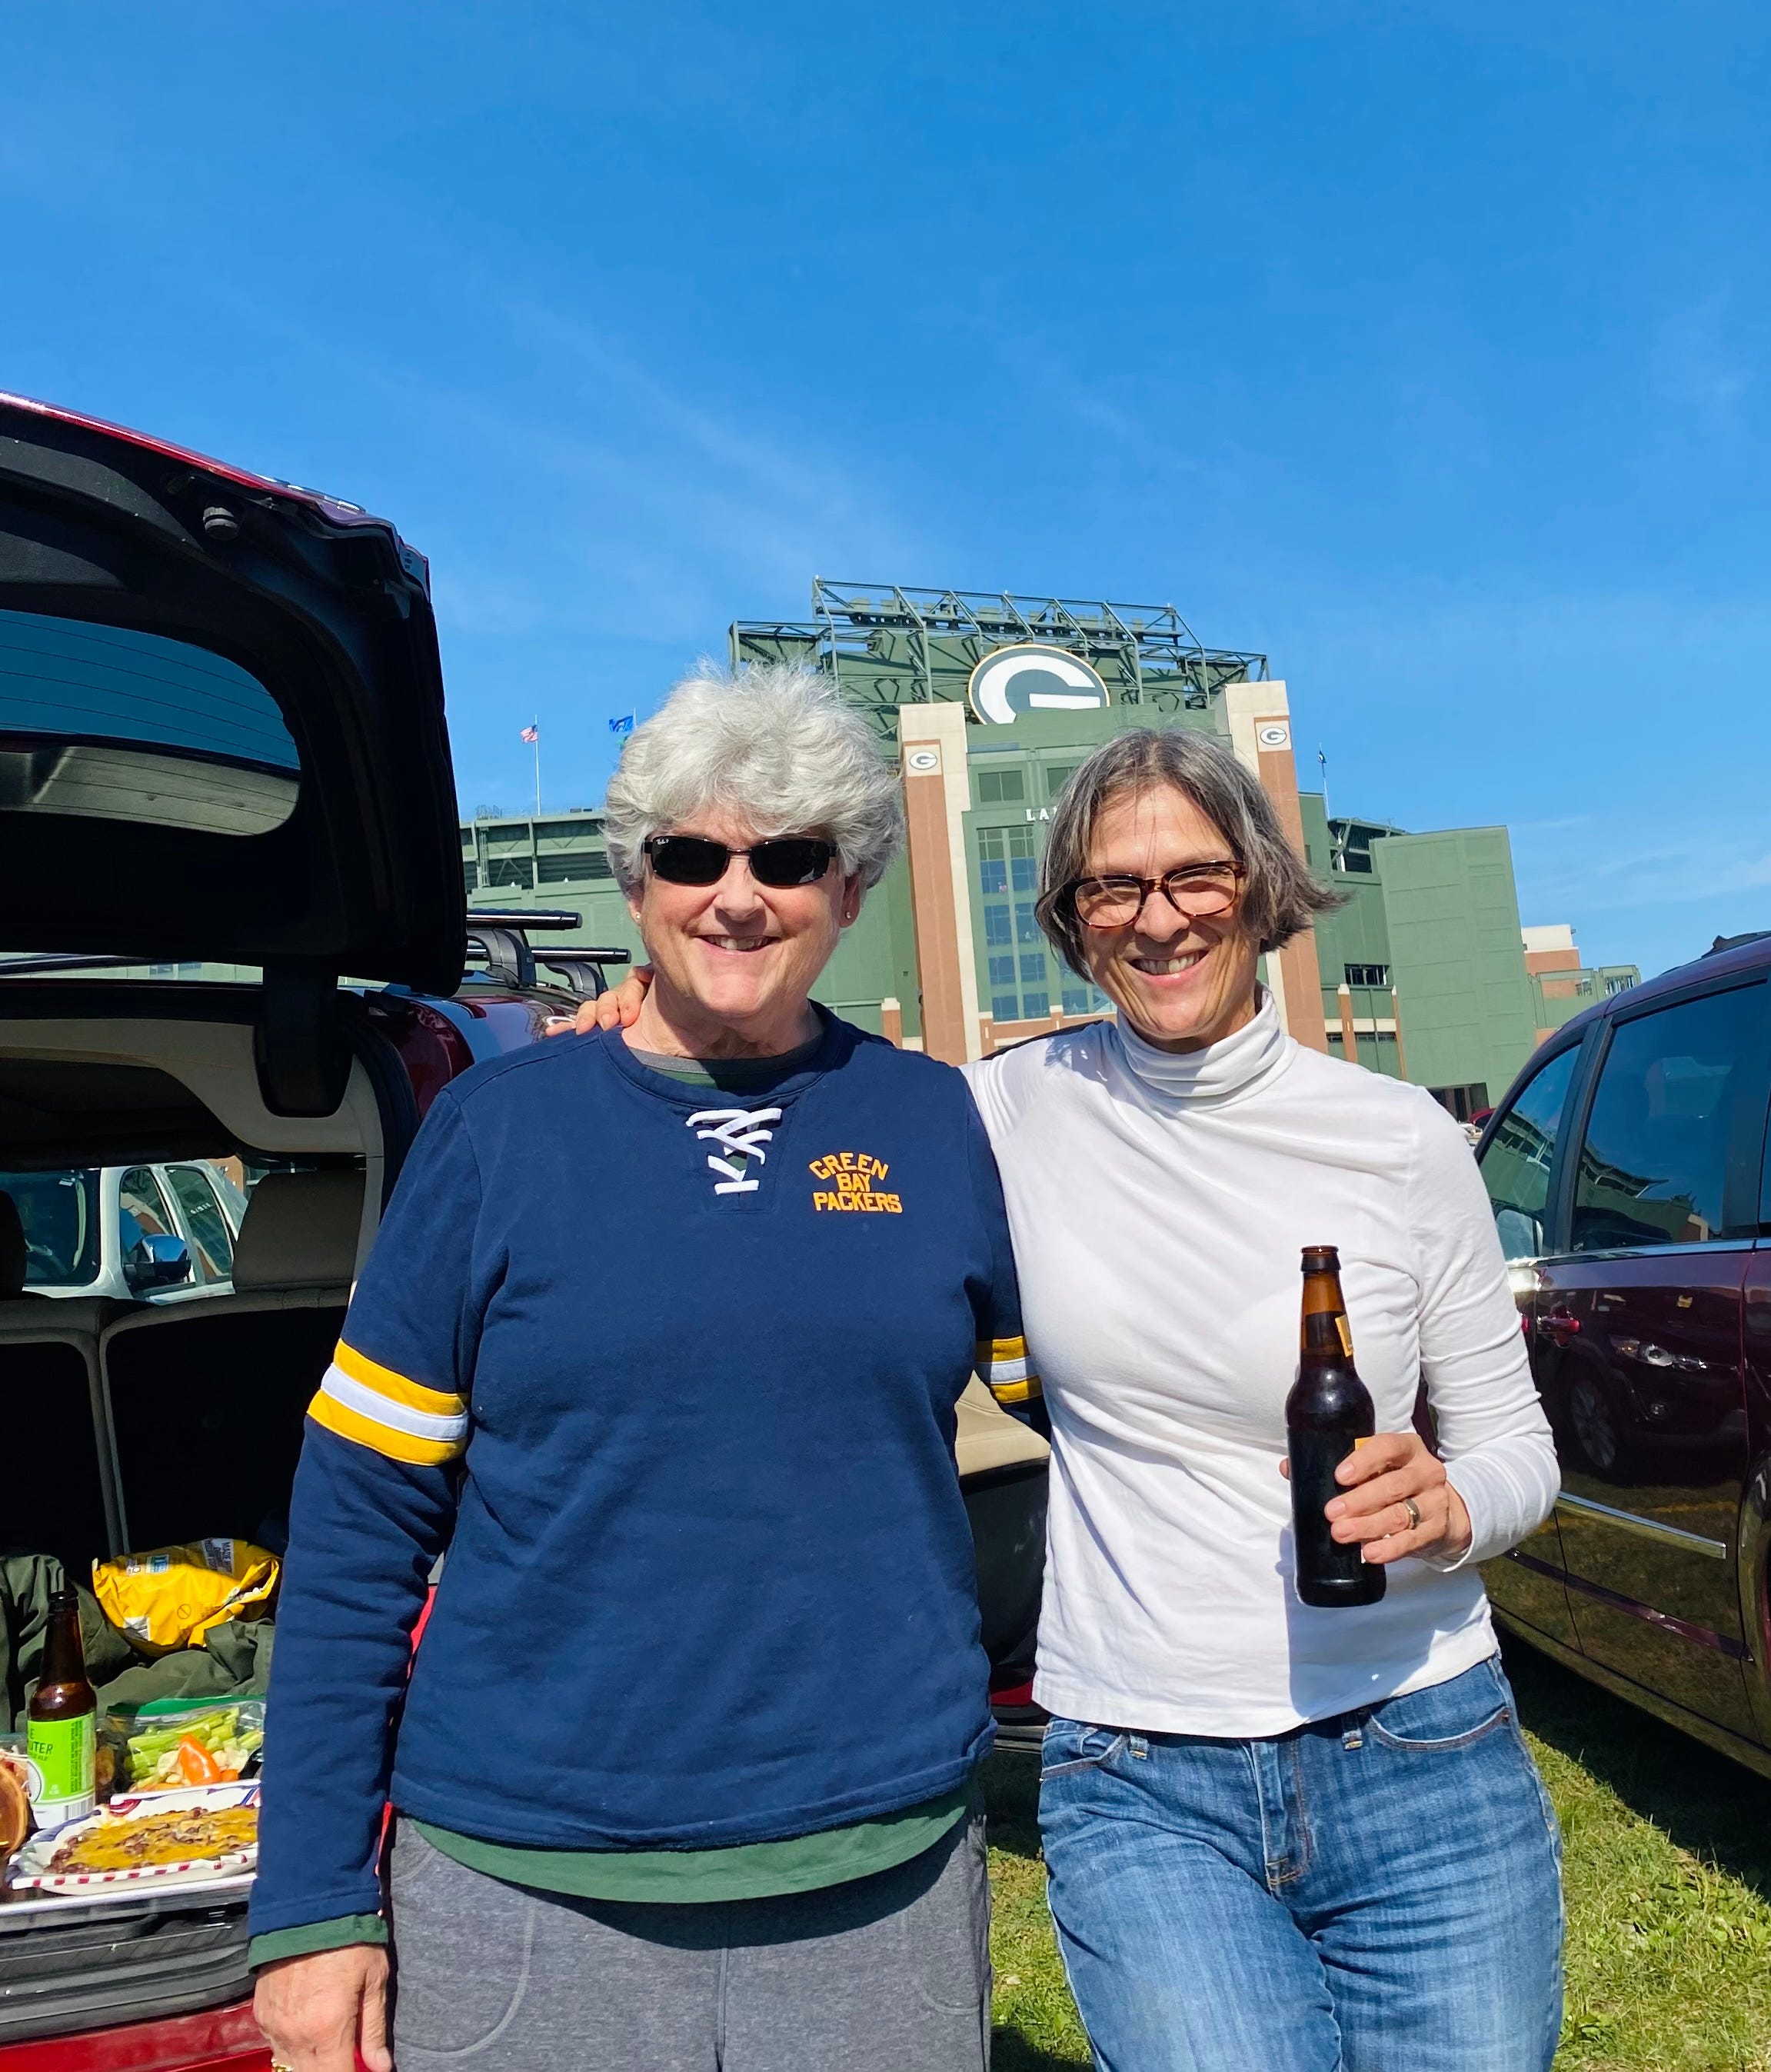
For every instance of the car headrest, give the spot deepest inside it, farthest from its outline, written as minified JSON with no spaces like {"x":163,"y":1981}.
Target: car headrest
{"x":300,"y":1230}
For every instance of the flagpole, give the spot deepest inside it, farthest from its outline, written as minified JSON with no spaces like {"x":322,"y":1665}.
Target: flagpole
{"x":537,"y":766}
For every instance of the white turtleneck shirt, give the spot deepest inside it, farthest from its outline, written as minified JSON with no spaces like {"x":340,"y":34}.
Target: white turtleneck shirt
{"x":1159,"y":1204}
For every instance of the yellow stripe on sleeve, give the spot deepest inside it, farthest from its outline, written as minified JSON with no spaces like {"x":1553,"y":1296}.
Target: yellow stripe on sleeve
{"x":384,"y":1381}
{"x":1005,"y":1370}
{"x":395,"y":1446}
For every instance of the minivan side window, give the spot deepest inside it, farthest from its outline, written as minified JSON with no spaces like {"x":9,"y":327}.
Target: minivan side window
{"x":1681,"y":1095}
{"x":208,"y":1226}
{"x":1516,"y":1160}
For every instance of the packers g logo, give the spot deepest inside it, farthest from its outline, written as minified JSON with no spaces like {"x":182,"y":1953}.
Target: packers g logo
{"x":848,"y":1188}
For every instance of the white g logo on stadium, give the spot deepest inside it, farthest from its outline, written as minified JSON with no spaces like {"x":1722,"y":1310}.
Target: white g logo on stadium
{"x":1033,"y":678}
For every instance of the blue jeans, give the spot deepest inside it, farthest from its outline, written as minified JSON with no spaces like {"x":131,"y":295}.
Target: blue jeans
{"x":1377,"y":1893}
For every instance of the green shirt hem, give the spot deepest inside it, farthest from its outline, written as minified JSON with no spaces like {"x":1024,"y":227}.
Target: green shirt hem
{"x":314,"y":1935}
{"x":748,"y":1870}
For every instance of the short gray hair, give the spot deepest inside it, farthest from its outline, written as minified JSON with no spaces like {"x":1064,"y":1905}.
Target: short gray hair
{"x":1280,"y":899}
{"x":772,"y":744}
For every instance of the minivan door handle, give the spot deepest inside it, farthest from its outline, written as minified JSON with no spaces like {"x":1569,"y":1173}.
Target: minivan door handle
{"x":1561,"y":1326}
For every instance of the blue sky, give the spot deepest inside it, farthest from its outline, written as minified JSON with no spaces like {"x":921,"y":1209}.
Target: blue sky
{"x":1416,"y":344}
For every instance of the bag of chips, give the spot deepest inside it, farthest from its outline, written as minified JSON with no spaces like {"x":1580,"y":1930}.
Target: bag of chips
{"x":171,"y":1597}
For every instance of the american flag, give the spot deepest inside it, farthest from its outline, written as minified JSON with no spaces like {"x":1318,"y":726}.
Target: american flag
{"x":532,"y":735}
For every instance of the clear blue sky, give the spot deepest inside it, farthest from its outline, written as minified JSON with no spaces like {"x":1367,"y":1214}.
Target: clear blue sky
{"x":1418,"y":345}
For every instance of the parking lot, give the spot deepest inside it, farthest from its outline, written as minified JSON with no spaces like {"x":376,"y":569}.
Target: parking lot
{"x":1667,"y":1858}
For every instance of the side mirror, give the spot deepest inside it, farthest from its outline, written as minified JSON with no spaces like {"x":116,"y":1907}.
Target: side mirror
{"x":158,"y":1262}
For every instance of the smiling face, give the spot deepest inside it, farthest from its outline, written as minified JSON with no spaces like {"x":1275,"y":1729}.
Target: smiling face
{"x":1181,"y":984}
{"x":735,"y":962}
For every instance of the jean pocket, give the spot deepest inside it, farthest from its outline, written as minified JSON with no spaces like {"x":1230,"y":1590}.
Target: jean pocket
{"x":1071,"y":1745}
{"x":1445,"y":1716}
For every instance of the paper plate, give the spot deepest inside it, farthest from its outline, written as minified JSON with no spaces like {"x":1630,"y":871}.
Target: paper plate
{"x":30,"y":1868}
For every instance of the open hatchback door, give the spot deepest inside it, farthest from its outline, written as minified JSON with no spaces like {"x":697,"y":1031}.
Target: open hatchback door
{"x":221,"y":718}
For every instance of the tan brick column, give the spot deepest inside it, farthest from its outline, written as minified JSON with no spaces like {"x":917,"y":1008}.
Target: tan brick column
{"x":937,"y":791}
{"x":1260,"y":732}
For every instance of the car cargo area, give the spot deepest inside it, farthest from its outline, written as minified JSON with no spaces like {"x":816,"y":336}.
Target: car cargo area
{"x":138,"y":1426}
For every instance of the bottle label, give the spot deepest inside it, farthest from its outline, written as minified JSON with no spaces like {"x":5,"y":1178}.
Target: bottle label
{"x":1346,"y":1335}
{"x":63,"y":1752}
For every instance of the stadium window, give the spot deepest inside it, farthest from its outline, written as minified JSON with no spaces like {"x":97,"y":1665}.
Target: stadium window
{"x":992,"y":872}
{"x":1005,"y":1007}
{"x":1023,"y":859}
{"x":996,"y":927}
{"x":998,"y":788}
{"x":1002,"y":971}
{"x":564,"y":870}
{"x":511,"y":870}
{"x":1035,"y":1006}
{"x":1057,"y":775}
{"x":1032,"y":967}
{"x":470,"y":877}
{"x":1026,"y":927}
{"x":1366,"y":974}
{"x":1075,"y":1000}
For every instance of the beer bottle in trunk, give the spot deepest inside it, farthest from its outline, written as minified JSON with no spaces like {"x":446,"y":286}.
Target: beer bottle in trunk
{"x":1329,"y":1411}
{"x":61,"y":1725}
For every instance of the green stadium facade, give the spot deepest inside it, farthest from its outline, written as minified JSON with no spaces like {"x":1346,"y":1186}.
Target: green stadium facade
{"x":987,"y":704}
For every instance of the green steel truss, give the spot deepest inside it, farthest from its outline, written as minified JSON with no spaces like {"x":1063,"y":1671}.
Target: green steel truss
{"x":889,"y":646}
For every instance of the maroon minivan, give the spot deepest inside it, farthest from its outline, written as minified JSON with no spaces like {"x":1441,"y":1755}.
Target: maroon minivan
{"x":1628,"y":1173}
{"x":222,"y":740}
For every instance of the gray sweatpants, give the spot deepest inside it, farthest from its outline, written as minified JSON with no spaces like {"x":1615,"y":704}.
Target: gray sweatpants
{"x":889,"y":1973}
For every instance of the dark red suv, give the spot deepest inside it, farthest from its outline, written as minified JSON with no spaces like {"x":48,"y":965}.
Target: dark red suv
{"x":1628,"y":1172}
{"x":222,"y":740}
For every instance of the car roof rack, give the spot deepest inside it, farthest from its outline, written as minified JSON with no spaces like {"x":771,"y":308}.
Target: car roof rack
{"x":501,"y":937}
{"x":1734,"y":942}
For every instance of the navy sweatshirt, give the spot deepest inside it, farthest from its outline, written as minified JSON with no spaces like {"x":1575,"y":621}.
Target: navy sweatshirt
{"x":671,"y":1375}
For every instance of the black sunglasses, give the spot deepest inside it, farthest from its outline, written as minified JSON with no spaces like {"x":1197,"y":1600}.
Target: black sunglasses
{"x":691,"y":860}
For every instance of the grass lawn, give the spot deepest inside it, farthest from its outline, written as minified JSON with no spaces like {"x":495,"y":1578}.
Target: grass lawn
{"x":1667,"y":1860}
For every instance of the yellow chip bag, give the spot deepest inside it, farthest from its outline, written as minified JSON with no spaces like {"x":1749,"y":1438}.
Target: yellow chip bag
{"x":171,"y":1597}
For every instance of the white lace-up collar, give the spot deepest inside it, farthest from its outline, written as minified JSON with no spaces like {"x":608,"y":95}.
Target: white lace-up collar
{"x":1222,"y":1071}
{"x":742,"y":1131}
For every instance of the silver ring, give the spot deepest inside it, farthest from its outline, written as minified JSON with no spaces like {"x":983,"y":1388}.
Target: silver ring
{"x":1413,"y":1509}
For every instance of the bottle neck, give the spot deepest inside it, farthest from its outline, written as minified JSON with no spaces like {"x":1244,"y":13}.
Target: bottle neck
{"x":1325,"y":1334}
{"x":64,"y":1658}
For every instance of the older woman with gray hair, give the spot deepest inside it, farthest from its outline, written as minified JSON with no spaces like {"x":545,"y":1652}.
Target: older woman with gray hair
{"x":662,"y":1339}
{"x":1304,"y":1840}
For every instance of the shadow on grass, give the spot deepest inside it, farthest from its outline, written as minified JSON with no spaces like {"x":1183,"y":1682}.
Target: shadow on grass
{"x":1011,"y":1800}
{"x":1702,"y":1801}
{"x":1011,"y":2051}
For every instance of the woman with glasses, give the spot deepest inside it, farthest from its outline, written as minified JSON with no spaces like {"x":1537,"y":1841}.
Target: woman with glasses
{"x":662,"y":1338}
{"x":1310,"y":1840}
{"x":1294,"y":1839}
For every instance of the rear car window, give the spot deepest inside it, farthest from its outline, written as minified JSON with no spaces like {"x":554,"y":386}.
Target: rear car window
{"x":59,"y":1212}
{"x":103,"y":722}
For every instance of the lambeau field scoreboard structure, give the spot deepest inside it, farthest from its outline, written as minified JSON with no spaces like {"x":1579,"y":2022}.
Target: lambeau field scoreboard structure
{"x":987,"y":703}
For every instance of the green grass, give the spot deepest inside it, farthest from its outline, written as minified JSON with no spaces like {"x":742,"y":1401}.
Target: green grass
{"x":1668,"y":1863}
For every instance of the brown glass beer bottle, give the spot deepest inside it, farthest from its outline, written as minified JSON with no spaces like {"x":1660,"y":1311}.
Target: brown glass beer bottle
{"x":62,"y":1721}
{"x":1329,"y":1411}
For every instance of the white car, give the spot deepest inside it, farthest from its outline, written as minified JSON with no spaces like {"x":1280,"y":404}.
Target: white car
{"x":135,"y":1233}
